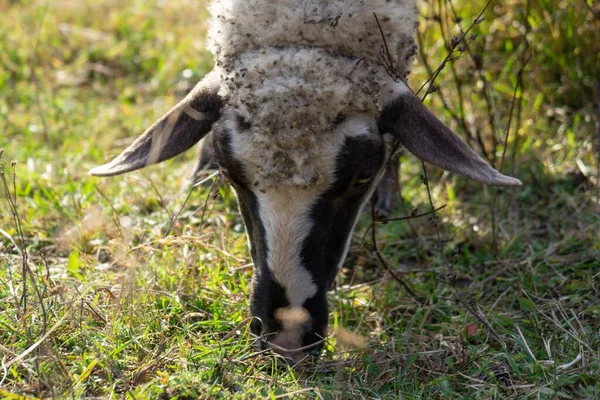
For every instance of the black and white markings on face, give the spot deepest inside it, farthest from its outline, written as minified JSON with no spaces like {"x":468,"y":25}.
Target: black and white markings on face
{"x":299,"y":236}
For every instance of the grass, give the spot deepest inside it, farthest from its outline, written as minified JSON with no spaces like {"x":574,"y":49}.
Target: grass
{"x":99,"y":297}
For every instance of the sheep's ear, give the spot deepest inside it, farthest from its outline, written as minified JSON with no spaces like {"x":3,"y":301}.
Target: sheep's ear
{"x":175,"y":132}
{"x":409,"y":121}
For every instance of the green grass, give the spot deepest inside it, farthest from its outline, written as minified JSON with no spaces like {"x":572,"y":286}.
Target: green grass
{"x":109,"y":302}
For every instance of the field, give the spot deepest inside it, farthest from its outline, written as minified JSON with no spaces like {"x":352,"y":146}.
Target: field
{"x":136,"y":287}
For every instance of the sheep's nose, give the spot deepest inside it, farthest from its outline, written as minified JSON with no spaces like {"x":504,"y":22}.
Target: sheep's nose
{"x":296,"y":345}
{"x":288,"y":331}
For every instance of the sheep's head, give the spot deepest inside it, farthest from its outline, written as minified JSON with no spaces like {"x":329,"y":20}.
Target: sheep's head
{"x":299,"y":233}
{"x":302,"y":133}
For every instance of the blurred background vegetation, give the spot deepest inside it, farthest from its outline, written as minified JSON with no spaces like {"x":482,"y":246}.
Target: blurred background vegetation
{"x":120,"y":288}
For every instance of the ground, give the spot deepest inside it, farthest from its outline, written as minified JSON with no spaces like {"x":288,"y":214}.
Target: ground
{"x":125,"y":288}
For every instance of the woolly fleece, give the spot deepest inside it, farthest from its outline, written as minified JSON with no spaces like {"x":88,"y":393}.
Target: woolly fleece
{"x":292,"y":68}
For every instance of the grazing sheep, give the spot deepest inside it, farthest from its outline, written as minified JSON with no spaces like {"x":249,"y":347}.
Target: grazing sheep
{"x":306,"y":100}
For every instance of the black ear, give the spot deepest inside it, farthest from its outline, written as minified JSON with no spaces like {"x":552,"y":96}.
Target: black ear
{"x":175,"y":132}
{"x":409,"y":121}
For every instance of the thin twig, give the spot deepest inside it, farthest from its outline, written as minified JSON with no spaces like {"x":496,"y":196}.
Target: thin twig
{"x":598,"y":141}
{"x":115,"y":217}
{"x":414,"y":216}
{"x":451,"y":45}
{"x":37,"y":343}
{"x":470,"y":306}
{"x":387,"y":57}
{"x":385,"y":221}
{"x":450,"y":56}
{"x":174,"y":218}
{"x":384,"y":262}
{"x":518,"y":85}
{"x":205,"y":205}
{"x":27,"y":272}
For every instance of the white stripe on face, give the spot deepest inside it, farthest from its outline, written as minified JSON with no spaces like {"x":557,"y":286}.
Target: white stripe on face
{"x":285,"y":215}
{"x":285,"y":210}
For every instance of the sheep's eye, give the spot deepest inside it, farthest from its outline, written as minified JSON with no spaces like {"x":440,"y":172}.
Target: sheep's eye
{"x":363,"y":180}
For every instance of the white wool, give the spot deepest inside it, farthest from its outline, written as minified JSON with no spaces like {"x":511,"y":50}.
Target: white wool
{"x":294,"y":67}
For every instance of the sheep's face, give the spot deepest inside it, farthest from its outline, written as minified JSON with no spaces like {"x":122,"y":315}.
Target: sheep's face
{"x":299,"y":236}
{"x":300,"y":193}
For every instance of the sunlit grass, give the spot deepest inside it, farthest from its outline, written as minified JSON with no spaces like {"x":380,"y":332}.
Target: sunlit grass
{"x":110,"y":302}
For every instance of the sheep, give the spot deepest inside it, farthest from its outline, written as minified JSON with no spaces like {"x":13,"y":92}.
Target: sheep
{"x":305,"y":102}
